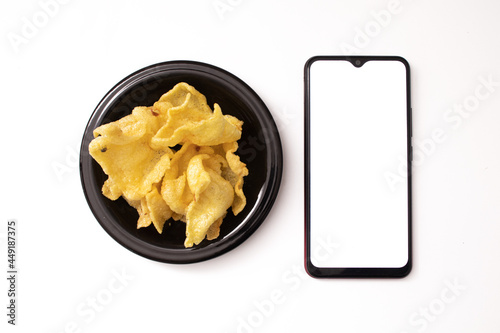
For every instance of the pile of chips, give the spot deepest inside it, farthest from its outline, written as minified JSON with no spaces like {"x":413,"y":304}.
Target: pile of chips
{"x":175,"y":159}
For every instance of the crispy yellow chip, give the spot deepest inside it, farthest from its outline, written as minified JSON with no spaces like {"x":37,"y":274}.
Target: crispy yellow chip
{"x":213,"y":130}
{"x":158,"y":209}
{"x":234,"y":173}
{"x":215,"y":197}
{"x":151,"y":209}
{"x":183,"y":98}
{"x":110,"y":190}
{"x":142,"y":121}
{"x":142,"y":210}
{"x":195,"y":184}
{"x":175,"y":190}
{"x":214,"y":230}
{"x":198,"y":178}
{"x":132,"y":168}
{"x":176,"y":194}
{"x":123,"y":151}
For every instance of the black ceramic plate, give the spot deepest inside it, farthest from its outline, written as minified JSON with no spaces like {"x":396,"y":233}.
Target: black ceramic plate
{"x":259,"y":147}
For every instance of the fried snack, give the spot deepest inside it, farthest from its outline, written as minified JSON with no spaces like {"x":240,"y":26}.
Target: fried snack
{"x":123,"y":151}
{"x":212,"y":130}
{"x":235,"y":172}
{"x":213,"y":195}
{"x":196,"y":184}
{"x":175,"y":189}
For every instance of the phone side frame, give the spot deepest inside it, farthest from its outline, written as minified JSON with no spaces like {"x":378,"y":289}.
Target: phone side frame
{"x":354,"y":272}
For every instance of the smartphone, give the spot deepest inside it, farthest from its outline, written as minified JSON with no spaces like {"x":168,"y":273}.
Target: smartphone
{"x":357,"y":199}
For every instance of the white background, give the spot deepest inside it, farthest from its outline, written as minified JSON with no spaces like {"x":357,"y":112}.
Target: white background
{"x":55,"y":75}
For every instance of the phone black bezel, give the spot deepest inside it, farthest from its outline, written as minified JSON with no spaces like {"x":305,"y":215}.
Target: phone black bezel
{"x":353,"y":272}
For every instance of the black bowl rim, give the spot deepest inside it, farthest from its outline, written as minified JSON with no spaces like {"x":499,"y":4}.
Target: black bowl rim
{"x":184,"y":256}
